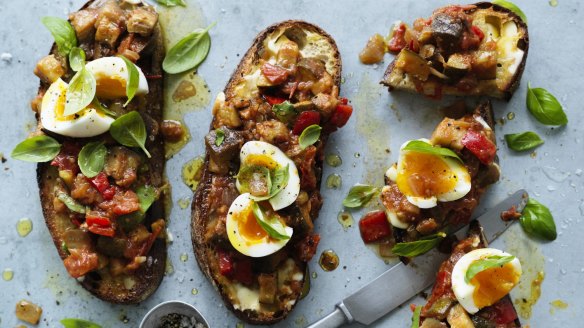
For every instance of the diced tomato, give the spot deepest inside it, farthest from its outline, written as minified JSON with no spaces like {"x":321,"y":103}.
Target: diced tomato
{"x":243,"y":271}
{"x":483,"y":148}
{"x":100,"y":182}
{"x":273,"y":100}
{"x":94,"y":219}
{"x":476,"y":30}
{"x":275,"y":74}
{"x":344,"y":101}
{"x":125,"y":202}
{"x":505,"y":312}
{"x":374,"y":226}
{"x":341,"y":115}
{"x":109,"y":193}
{"x":304,"y":120}
{"x":225,"y":263}
{"x":67,"y":158}
{"x":398,"y":40}
{"x":80,"y":262}
{"x":102,"y":231}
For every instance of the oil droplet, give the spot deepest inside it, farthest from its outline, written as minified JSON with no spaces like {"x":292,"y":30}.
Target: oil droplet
{"x":192,"y":173}
{"x":333,"y":160}
{"x":24,"y":227}
{"x":184,"y":257}
{"x":357,"y":155}
{"x":329,"y":260}
{"x":184,"y":202}
{"x":334,"y":181}
{"x":553,"y":3}
{"x":7,"y":274}
{"x":239,"y":325}
{"x":194,"y":291}
{"x":300,"y":321}
{"x":185,"y":90}
{"x":314,"y":275}
{"x":510,"y":116}
{"x":533,"y":154}
{"x":169,"y":269}
{"x":345,"y":219}
{"x":526,"y":304}
{"x":559,"y":304}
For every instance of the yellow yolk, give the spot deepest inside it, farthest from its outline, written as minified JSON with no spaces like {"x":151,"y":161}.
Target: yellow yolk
{"x":249,"y":228}
{"x":110,"y":87}
{"x":261,"y":160}
{"x":494,"y":283}
{"x":425,"y":175}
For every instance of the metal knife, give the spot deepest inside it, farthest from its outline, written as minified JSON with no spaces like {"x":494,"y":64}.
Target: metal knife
{"x":402,"y":282}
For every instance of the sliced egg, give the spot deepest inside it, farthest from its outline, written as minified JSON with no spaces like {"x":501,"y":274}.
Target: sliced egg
{"x":426,"y":179}
{"x":488,"y":286}
{"x":111,"y":77}
{"x":263,"y":154}
{"x":245,"y":233}
{"x":87,"y":123}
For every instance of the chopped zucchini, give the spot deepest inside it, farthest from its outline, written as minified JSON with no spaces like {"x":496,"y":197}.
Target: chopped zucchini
{"x":458,"y":65}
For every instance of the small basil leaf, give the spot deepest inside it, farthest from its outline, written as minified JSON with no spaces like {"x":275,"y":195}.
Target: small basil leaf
{"x":359,"y":195}
{"x":511,"y":6}
{"x":545,"y":107}
{"x":133,"y":80}
{"x":219,"y":137}
{"x":272,"y":226}
{"x":92,"y":158}
{"x":483,"y":264}
{"x":280,"y":178}
{"x":285,"y":111}
{"x":80,"y":92}
{"x":523,"y":141}
{"x":147,"y":195}
{"x":36,"y":149}
{"x":537,"y":221}
{"x":71,"y":203}
{"x":418,"y":247}
{"x":78,"y":323}
{"x":172,"y":3}
{"x":97,"y":104}
{"x":77,"y":59}
{"x":62,"y":32}
{"x":309,"y":136}
{"x":189,"y":52}
{"x":129,"y":130}
{"x":426,"y":148}
{"x":416,"y":317}
{"x":254,"y":174}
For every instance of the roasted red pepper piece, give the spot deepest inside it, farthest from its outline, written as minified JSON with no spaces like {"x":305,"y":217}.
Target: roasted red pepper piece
{"x":341,"y":115}
{"x":374,"y":226}
{"x":225,"y":263}
{"x":243,"y":272}
{"x":272,"y":100}
{"x":476,"y":30}
{"x":100,"y":182}
{"x":398,"y":40}
{"x":67,"y":158}
{"x":275,"y":74}
{"x":99,"y":225}
{"x":304,"y":120}
{"x":103,"y":231}
{"x":505,"y":312}
{"x":109,"y":193}
{"x":483,"y":148}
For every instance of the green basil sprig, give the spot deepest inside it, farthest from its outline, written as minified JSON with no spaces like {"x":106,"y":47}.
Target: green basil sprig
{"x":285,"y":111}
{"x":545,"y":107}
{"x":80,"y":92}
{"x":511,"y":6}
{"x":133,"y":80}
{"x":309,"y":136}
{"x":537,"y":221}
{"x":272,"y":226}
{"x":426,"y":148}
{"x":129,"y":130}
{"x":36,"y":149}
{"x":483,"y":264}
{"x":77,"y":59}
{"x":97,"y":104}
{"x":280,"y":178}
{"x":523,"y":141}
{"x":418,"y":247}
{"x":62,"y":32}
{"x":189,"y":52}
{"x":416,"y":317}
{"x":172,"y":3}
{"x":359,"y":195}
{"x":219,"y":137}
{"x":91,"y":158}
{"x":78,"y":323}
{"x":71,"y":203}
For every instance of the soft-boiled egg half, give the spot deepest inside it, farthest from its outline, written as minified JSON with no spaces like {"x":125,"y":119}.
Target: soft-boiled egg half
{"x":111,"y":77}
{"x":246,"y":234}
{"x":263,"y":154}
{"x":426,"y":178}
{"x":486,"y":287}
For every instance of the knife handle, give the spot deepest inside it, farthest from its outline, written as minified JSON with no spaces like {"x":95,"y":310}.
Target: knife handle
{"x":335,"y":319}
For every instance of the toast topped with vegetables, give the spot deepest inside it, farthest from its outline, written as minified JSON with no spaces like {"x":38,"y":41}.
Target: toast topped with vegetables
{"x":436,"y":184}
{"x":99,"y":147}
{"x":253,"y":211}
{"x":477,"y":49}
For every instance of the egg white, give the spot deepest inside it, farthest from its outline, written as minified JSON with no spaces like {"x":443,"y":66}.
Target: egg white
{"x":115,"y":68}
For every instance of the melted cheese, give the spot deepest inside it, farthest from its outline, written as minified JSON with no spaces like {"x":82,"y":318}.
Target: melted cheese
{"x":246,"y":299}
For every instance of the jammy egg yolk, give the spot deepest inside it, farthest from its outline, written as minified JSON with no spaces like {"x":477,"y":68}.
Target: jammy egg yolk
{"x":425,"y":175}
{"x":492,"y":284}
{"x":261,"y":160}
{"x":110,"y":87}
{"x":249,"y":228}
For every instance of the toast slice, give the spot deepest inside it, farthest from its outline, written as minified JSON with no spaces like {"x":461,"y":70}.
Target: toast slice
{"x":118,"y":254}
{"x":415,"y":205}
{"x":286,"y":84}
{"x":466,"y":50}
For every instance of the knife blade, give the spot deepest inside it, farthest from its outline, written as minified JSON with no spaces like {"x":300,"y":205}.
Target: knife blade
{"x":402,"y":282}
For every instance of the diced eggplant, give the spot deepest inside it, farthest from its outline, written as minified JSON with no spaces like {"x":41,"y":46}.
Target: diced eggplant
{"x":325,"y":104}
{"x":122,"y":164}
{"x":411,"y":63}
{"x":113,"y":247}
{"x":77,"y":238}
{"x":440,"y":308}
{"x":110,"y":23}
{"x":225,"y":113}
{"x":221,"y":153}
{"x":447,"y":31}
{"x":449,"y":133}
{"x":457,"y":317}
{"x":484,"y":65}
{"x":49,"y":69}
{"x":427,"y":51}
{"x":83,"y":21}
{"x":310,"y":69}
{"x":142,"y":21}
{"x":273,"y":131}
{"x":458,"y":65}
{"x":433,"y":323}
{"x":268,"y":287}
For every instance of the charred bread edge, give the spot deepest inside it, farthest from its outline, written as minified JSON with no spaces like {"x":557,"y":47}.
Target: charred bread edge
{"x":514,"y":83}
{"x":199,"y":205}
{"x":148,"y":278}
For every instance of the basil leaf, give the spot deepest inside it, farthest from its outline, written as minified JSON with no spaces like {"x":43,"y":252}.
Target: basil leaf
{"x":285,"y":111}
{"x":272,"y":226}
{"x":279,"y":180}
{"x":71,"y":203}
{"x":483,"y":264}
{"x":309,"y":136}
{"x":129,"y":130}
{"x":250,"y":173}
{"x":80,"y":92}
{"x":77,"y":59}
{"x":418,"y":247}
{"x":147,"y":195}
{"x":92,"y":158}
{"x":97,"y":104}
{"x":189,"y":52}
{"x":62,"y":32}
{"x":537,"y":221}
{"x":426,"y":148}
{"x":219,"y":137}
{"x":511,"y":6}
{"x":78,"y":323}
{"x":545,"y":107}
{"x":36,"y":149}
{"x":172,"y":3}
{"x":359,"y":195}
{"x":416,"y":317}
{"x":523,"y":141}
{"x":133,"y":80}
